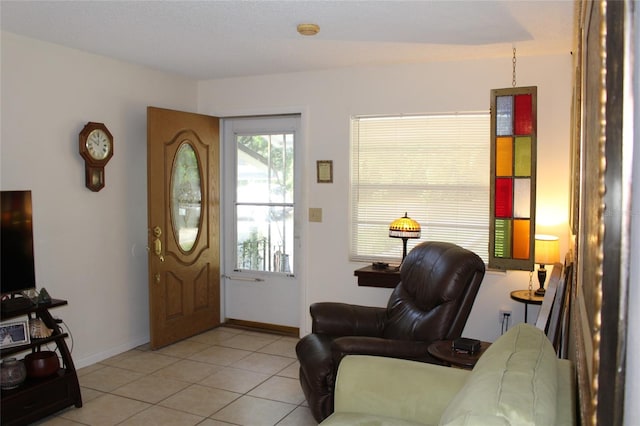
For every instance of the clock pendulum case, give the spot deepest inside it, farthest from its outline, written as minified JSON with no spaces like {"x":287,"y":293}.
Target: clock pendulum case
{"x":96,"y":147}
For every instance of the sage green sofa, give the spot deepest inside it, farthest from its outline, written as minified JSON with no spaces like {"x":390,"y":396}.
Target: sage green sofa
{"x":517,"y":381}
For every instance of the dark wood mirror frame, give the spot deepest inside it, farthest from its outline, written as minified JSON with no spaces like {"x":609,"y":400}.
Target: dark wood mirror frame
{"x":599,"y":217}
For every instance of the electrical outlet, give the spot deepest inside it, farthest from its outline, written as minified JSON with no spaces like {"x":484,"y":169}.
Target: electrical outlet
{"x":502,"y":313}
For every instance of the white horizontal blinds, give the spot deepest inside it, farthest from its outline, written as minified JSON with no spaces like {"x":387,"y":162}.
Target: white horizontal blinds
{"x":434,"y":167}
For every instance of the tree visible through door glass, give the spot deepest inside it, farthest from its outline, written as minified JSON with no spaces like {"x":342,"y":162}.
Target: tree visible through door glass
{"x":264,"y":202}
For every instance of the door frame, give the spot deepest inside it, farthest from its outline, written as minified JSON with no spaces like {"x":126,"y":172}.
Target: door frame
{"x":302,"y":204}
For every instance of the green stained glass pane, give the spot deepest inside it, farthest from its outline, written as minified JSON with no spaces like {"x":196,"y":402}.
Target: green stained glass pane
{"x":502,"y":242}
{"x":522,"y":198}
{"x":504,"y":115}
{"x":523,"y":156}
{"x":504,"y":156}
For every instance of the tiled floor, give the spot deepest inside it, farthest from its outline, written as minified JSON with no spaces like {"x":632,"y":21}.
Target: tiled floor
{"x":225,"y":376}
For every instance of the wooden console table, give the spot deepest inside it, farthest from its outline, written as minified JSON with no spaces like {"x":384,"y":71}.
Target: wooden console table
{"x":36,"y":398}
{"x":386,"y":278}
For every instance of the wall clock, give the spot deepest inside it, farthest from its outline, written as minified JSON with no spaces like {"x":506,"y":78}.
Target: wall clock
{"x":96,"y":147}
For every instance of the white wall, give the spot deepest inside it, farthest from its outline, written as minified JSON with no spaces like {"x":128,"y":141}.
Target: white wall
{"x":90,"y":248}
{"x":328,"y":98}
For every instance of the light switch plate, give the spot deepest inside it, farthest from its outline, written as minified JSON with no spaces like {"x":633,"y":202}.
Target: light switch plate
{"x":315,"y":214}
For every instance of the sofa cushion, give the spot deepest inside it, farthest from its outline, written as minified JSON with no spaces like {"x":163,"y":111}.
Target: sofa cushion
{"x":514,"y":382}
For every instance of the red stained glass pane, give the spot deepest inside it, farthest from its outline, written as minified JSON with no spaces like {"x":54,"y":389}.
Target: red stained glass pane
{"x":522,"y":121}
{"x":504,"y":197}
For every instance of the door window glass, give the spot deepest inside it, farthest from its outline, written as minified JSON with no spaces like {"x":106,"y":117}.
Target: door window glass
{"x":186,"y":197}
{"x":264,"y":202}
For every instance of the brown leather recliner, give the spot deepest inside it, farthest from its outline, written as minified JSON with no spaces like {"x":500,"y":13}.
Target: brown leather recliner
{"x":438,"y":285}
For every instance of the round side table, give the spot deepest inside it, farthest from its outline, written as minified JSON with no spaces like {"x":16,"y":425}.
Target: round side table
{"x":528,"y":297}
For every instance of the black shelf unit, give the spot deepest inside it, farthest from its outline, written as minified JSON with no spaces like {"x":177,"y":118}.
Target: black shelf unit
{"x":41,"y":397}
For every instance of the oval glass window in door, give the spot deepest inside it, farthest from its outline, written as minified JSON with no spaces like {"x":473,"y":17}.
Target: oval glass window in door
{"x":186,"y":197}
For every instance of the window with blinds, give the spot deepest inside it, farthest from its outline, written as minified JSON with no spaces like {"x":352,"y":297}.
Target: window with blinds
{"x":433,"y":167}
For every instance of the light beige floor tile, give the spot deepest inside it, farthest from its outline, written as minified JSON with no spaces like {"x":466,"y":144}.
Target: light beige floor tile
{"x":301,"y":416}
{"x":146,"y":362}
{"x":89,"y":369}
{"x":200,"y":400}
{"x":219,"y":355}
{"x":211,"y":422}
{"x":108,"y":378}
{"x":281,"y":389}
{"x":263,"y":363}
{"x":105,"y":410}
{"x":283,"y":347}
{"x":56,"y":421}
{"x":260,"y":334}
{"x":248,"y":343}
{"x":161,"y":416}
{"x":235,"y":380}
{"x":250,"y":411}
{"x":292,"y":371}
{"x":183,"y":349}
{"x":151,"y":389}
{"x":89,"y":394}
{"x":116,"y":359}
{"x":188,"y":371}
{"x":215,"y":336}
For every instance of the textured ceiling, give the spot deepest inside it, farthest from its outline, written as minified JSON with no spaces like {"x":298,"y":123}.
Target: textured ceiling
{"x":218,"y":39}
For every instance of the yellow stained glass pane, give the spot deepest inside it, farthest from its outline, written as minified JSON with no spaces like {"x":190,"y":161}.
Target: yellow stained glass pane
{"x":504,"y":156}
{"x":521,"y":239}
{"x":523,"y":156}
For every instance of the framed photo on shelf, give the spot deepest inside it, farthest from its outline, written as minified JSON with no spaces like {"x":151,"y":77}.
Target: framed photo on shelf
{"x":325,"y":171}
{"x":14,"y":333}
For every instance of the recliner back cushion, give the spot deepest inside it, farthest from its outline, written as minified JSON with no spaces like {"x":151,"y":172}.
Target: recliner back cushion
{"x":433,"y":287}
{"x":513,"y":383}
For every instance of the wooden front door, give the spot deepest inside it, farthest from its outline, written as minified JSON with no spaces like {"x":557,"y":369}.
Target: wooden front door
{"x":184,"y":216}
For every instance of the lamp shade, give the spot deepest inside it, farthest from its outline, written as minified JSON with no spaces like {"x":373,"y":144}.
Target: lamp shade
{"x":404,"y":227}
{"x":547,"y":249}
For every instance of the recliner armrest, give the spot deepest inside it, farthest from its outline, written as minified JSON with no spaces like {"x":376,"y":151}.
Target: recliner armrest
{"x":395,"y":388}
{"x":342,"y":319}
{"x":378,"y":346}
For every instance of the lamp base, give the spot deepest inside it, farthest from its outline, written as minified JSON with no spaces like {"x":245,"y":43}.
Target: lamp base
{"x":542,"y":277}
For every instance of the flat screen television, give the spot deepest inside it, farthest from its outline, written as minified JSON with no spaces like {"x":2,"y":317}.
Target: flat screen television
{"x":16,"y":243}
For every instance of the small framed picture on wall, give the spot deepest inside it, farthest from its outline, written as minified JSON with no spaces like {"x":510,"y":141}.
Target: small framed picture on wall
{"x":325,"y":171}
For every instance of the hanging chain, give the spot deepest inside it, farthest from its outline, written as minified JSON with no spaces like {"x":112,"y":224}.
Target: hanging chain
{"x":513,"y":82}
{"x":530,"y":282}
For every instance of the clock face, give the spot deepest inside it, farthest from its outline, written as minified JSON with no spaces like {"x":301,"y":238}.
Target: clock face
{"x":98,"y":144}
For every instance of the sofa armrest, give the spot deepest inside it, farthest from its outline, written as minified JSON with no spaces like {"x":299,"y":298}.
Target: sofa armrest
{"x":342,"y":319}
{"x":378,"y":346}
{"x":401,"y":389}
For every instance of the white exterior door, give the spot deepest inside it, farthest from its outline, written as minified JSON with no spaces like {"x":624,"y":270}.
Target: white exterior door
{"x":260,"y":220}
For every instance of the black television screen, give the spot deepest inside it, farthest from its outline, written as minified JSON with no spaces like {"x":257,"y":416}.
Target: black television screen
{"x":16,"y":243}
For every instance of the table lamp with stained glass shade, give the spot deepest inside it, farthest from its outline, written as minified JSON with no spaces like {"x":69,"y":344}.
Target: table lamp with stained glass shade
{"x":547,"y":251}
{"x":404,"y":228}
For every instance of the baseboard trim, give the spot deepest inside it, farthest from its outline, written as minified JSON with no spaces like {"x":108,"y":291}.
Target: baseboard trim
{"x":260,"y":326}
